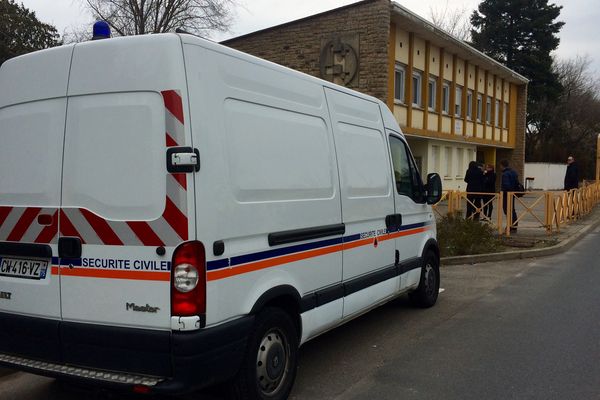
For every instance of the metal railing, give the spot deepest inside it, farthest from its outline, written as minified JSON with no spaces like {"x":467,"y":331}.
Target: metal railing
{"x":549,"y":210}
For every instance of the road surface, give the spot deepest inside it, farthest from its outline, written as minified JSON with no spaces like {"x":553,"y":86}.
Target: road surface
{"x":523,"y":329}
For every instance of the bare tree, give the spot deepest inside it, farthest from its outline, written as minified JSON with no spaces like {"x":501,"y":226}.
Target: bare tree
{"x":137,"y":17}
{"x":454,"y":21}
{"x":573,"y":121}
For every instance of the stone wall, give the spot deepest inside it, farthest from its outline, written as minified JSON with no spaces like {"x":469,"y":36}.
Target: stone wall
{"x":298,"y":44}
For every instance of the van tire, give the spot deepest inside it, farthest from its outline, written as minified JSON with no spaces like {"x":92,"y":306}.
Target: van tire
{"x":426,"y":294}
{"x":263,"y":374}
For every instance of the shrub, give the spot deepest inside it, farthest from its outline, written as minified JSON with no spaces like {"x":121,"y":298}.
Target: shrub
{"x":458,"y":236}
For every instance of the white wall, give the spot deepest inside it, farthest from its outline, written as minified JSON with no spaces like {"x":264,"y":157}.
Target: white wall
{"x":546,"y":176}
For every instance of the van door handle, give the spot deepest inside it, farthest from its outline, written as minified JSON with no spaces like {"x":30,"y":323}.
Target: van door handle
{"x":393,"y":222}
{"x":69,"y":247}
{"x":183,"y":159}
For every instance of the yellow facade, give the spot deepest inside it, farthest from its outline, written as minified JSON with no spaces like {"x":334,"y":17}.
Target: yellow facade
{"x":451,"y":110}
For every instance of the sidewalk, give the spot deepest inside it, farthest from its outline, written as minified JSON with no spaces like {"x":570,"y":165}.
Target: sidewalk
{"x":566,"y":238}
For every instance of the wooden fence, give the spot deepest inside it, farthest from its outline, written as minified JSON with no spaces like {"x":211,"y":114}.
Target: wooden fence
{"x":548,"y":209}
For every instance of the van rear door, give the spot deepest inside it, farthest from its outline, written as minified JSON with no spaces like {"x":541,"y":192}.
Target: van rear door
{"x":32,"y":121}
{"x":122,"y":213}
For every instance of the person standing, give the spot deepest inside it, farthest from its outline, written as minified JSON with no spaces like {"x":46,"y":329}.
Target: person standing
{"x":572,"y":174}
{"x":510,"y":183}
{"x":474,"y":179}
{"x":489,"y":186}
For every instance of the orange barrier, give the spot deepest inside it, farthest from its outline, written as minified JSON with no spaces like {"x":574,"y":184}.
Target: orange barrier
{"x":550,"y":210}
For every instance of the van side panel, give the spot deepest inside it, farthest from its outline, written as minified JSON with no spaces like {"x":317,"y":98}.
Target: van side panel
{"x":268,"y":165}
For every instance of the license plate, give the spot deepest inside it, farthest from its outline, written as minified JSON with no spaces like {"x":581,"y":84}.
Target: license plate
{"x":23,"y":268}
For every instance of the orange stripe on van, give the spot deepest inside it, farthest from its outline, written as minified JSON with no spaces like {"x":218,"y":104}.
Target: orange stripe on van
{"x":115,"y":274}
{"x":396,"y":235}
{"x":257,"y":266}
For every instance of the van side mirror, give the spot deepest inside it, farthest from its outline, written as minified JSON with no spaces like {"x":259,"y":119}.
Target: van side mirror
{"x":434,"y":188}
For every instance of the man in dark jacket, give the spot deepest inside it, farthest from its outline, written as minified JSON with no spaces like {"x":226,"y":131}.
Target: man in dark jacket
{"x":474,"y":179}
{"x":572,"y":174}
{"x":510,"y":183}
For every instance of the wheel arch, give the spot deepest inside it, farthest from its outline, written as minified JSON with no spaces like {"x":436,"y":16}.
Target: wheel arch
{"x":285,"y":297}
{"x":432,"y":245}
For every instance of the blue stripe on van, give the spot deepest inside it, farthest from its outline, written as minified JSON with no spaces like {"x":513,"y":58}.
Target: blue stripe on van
{"x":262,"y":255}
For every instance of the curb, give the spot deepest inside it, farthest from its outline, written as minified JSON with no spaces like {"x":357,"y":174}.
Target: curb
{"x":519,"y":254}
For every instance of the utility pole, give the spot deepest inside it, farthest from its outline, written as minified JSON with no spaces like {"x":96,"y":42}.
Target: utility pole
{"x":598,"y":159}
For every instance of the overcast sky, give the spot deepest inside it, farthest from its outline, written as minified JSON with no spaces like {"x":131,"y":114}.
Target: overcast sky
{"x":579,"y":36}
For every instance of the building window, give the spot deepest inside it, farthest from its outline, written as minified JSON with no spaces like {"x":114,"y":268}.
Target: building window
{"x":497,"y":113}
{"x":446,"y":98}
{"x":448,"y":172}
{"x":479,"y":107}
{"x":488,"y":110}
{"x":432,"y":89}
{"x":399,"y":83}
{"x":416,"y":89}
{"x":505,"y":116}
{"x":458,"y":101}
{"x":435,"y":158}
{"x":459,"y":162}
{"x":469,"y":104}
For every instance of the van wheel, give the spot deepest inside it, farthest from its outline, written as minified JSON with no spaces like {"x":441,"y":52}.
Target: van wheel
{"x":429,"y":285}
{"x":269,"y":366}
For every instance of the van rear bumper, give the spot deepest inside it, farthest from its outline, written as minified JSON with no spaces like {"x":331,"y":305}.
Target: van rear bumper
{"x":167,"y":362}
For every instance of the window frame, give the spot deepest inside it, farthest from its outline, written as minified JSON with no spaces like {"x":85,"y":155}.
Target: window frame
{"x":458,"y":91}
{"x":417,"y":189}
{"x":446,"y":98}
{"x":432,"y":93}
{"x":400,"y":69}
{"x":448,"y":150}
{"x":497,"y":113}
{"x":417,"y":89}
{"x":488,"y":110}
{"x":479,"y":107}
{"x":469,"y":104}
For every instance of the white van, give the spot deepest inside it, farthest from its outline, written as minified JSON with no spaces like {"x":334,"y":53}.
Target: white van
{"x":175,"y":213}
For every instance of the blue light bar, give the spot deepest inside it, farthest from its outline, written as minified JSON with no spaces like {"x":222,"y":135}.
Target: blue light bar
{"x":101,"y":30}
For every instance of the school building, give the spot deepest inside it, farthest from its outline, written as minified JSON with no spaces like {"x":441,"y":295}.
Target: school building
{"x":453,"y":103}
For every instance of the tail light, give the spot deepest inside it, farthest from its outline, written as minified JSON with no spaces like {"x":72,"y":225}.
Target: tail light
{"x":188,"y":280}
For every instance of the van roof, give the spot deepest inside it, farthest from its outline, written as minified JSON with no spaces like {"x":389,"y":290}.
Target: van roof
{"x":17,"y":73}
{"x":208,"y":44}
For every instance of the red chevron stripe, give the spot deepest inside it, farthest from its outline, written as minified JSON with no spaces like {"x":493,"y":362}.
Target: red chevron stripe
{"x":176,"y":219}
{"x":173,"y":103}
{"x":181,"y":179}
{"x":67,"y":228}
{"x":50,"y":231}
{"x":145,"y":233}
{"x":23,"y":224}
{"x":170,"y":141}
{"x":4,"y":211}
{"x":102,"y":228}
